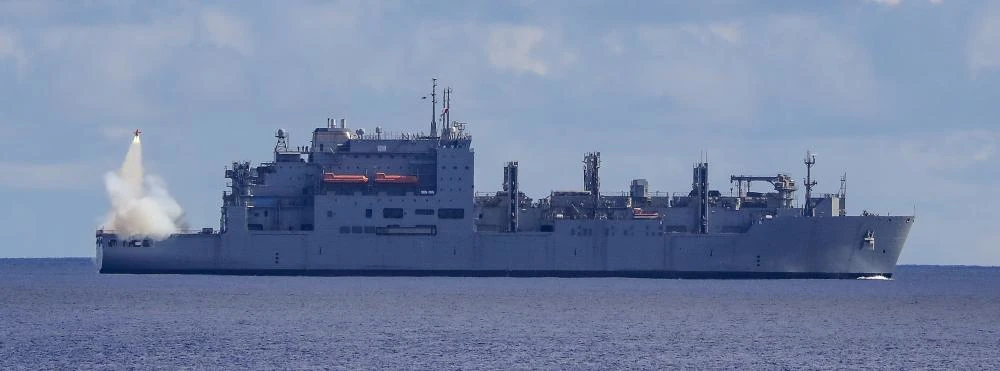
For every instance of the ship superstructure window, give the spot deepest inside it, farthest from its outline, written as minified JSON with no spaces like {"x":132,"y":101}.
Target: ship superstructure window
{"x":451,"y":213}
{"x":424,"y":212}
{"x":392,"y":213}
{"x":368,"y":213}
{"x":357,"y":229}
{"x":345,"y":229}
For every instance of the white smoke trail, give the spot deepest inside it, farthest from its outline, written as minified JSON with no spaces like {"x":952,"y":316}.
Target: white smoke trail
{"x":140,"y":205}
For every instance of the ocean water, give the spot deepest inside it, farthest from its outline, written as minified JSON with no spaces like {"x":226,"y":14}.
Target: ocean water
{"x":59,"y":314}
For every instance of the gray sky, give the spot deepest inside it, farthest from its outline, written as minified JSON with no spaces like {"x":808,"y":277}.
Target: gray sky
{"x":900,"y":95}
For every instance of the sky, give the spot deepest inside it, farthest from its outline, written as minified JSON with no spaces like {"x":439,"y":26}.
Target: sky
{"x":901,"y":95}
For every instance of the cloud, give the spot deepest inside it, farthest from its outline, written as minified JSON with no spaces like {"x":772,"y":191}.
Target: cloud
{"x":736,"y":72}
{"x":813,"y":65}
{"x":51,"y":176}
{"x":951,"y":151}
{"x":100,"y":68}
{"x":984,"y":44}
{"x":225,"y":31}
{"x":10,"y":49}
{"x":730,"y":32}
{"x":698,"y":67}
{"x":515,"y":48}
{"x":651,"y":93}
{"x":886,"y":2}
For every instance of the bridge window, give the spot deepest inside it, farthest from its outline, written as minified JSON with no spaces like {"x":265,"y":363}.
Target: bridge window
{"x":357,"y":229}
{"x":392,"y":213}
{"x":424,"y":211}
{"x":345,"y":229}
{"x":368,"y":213}
{"x":451,"y":213}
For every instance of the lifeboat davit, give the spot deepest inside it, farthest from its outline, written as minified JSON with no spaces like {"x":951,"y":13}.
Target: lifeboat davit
{"x":395,"y":179}
{"x":344,"y":179}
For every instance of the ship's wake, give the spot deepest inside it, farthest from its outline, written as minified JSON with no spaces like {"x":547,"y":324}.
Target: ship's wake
{"x":877,"y":277}
{"x":140,"y":204}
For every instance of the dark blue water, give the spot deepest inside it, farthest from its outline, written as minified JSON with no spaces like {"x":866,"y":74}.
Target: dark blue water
{"x":61,"y":314}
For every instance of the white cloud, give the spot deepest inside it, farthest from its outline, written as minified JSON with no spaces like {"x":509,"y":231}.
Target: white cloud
{"x":327,"y":43}
{"x":10,"y":48}
{"x":984,"y":44}
{"x":729,"y":32}
{"x":515,"y":48}
{"x":952,"y":151}
{"x":100,"y":67}
{"x":886,"y":2}
{"x":813,"y":64}
{"x":698,"y":67}
{"x":732,"y":71}
{"x":53,"y":176}
{"x":613,"y":43}
{"x":225,"y":31}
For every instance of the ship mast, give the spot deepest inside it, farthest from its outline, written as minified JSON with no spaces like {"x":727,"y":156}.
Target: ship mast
{"x":445,"y":113}
{"x":434,"y":108}
{"x":809,"y":161}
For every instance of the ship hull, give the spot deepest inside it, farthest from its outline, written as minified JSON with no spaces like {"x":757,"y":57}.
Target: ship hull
{"x":514,"y":273}
{"x":831,"y":247}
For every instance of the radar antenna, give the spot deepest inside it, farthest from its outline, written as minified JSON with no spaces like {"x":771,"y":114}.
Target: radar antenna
{"x":282,"y":145}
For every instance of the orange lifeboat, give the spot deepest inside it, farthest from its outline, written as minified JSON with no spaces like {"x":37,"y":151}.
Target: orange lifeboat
{"x":638,"y":213}
{"x":395,"y":179}
{"x":344,"y":179}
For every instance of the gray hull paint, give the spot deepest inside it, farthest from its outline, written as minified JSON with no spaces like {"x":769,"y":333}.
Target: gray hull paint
{"x":404,"y":204}
{"x":779,"y":248}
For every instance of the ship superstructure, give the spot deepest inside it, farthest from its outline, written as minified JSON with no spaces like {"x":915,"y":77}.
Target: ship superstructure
{"x":358,"y":203}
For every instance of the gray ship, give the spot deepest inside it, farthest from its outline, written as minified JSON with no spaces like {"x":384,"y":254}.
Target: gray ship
{"x":358,"y":203}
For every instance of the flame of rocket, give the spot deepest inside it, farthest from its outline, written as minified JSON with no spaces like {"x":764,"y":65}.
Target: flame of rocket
{"x":141,"y":207}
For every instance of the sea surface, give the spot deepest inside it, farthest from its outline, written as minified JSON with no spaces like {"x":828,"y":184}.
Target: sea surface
{"x":61,"y":314}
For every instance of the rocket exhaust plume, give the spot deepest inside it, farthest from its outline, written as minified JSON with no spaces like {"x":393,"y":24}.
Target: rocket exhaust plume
{"x":140,"y":204}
